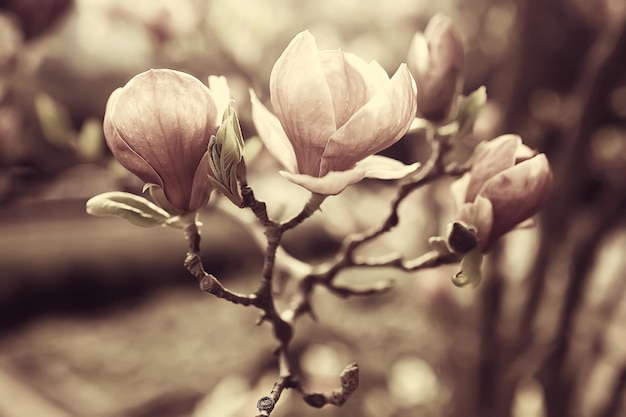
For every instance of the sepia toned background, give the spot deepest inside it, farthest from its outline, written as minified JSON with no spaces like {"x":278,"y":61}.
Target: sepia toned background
{"x":100,"y":318}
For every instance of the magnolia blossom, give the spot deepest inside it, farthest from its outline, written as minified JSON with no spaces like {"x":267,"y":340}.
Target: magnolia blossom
{"x":508,"y":183}
{"x":435,"y":59}
{"x":158,"y":127}
{"x":333,"y":112}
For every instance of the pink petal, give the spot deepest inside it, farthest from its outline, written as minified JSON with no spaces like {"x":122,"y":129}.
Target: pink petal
{"x":221,"y":94}
{"x":302,"y":101}
{"x":384,"y":168}
{"x":123,"y":153}
{"x":376,"y":74}
{"x":497,"y":155}
{"x":375,"y":126}
{"x":458,"y":190}
{"x":202,"y":187}
{"x":272,"y":135}
{"x":330,"y":184}
{"x":334,"y":182}
{"x":518,"y":193}
{"x":523,"y":153}
{"x":418,"y":57}
{"x":479,"y":215}
{"x":348,"y":87}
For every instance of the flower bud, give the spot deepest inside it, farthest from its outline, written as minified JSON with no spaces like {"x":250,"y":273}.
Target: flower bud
{"x":508,"y":183}
{"x":225,"y":155}
{"x":435,"y":59}
{"x":334,"y":111}
{"x":158,"y":127}
{"x":461,"y":239}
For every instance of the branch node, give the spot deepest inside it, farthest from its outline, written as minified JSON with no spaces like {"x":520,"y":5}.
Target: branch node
{"x":265,"y":404}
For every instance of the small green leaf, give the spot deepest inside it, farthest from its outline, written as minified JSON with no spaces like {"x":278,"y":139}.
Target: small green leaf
{"x":90,"y":140}
{"x":439,"y":244}
{"x":55,"y":120}
{"x":418,"y":124}
{"x":136,"y":209}
{"x":253,"y":148}
{"x":469,"y":109}
{"x":470,"y":273}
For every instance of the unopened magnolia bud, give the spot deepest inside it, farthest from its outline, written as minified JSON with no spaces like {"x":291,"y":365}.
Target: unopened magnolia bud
{"x":461,"y":239}
{"x":508,"y":184}
{"x":158,"y":127}
{"x":435,"y":59}
{"x":225,"y":155}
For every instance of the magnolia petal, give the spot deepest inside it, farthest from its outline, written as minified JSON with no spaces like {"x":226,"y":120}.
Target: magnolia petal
{"x":375,"y":126}
{"x":124,"y":154}
{"x":348,"y":87}
{"x":496,"y":155}
{"x":330,"y":184}
{"x":418,"y":56}
{"x":221,"y":94}
{"x":379,"y":167}
{"x":372,"y":72}
{"x":272,"y":135}
{"x":302,"y":101}
{"x":384,"y":168}
{"x":458,"y":190}
{"x":202,"y":187}
{"x":517,"y":193}
{"x":479,"y":215}
{"x":523,"y":153}
{"x":157,"y":194}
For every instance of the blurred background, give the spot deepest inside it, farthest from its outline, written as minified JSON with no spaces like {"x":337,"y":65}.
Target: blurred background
{"x":100,"y":318}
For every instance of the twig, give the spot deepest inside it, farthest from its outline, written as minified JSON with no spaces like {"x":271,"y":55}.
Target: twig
{"x":325,"y":273}
{"x":208,"y":283}
{"x":349,"y":383}
{"x":283,"y":324}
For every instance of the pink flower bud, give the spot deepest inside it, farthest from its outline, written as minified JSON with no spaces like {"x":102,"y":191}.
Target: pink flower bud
{"x":333,"y":112}
{"x":435,"y":59}
{"x":508,"y":183}
{"x":158,"y":127}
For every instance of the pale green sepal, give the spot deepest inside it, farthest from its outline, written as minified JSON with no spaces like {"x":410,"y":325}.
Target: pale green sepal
{"x":418,"y":124}
{"x":226,"y":151}
{"x":469,"y":109}
{"x":253,"y":148}
{"x":470,"y":273}
{"x":439,"y":244}
{"x":449,"y":130}
{"x":90,"y":143}
{"x":135,"y":209}
{"x":55,"y":120}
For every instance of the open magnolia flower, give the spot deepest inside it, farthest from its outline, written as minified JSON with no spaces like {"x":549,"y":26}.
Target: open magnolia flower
{"x":333,"y":112}
{"x":158,"y":127}
{"x":508,"y":183}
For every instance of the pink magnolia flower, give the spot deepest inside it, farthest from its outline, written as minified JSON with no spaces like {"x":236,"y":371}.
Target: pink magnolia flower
{"x":435,"y":59}
{"x":334,"y":111}
{"x":158,"y":127}
{"x":508,"y":183}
